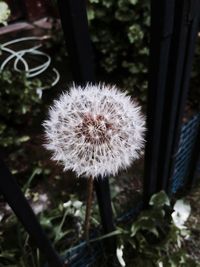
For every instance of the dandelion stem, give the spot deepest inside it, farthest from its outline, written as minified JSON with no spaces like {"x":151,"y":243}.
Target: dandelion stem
{"x":88,"y":208}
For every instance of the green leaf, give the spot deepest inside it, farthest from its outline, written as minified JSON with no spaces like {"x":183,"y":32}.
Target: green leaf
{"x":134,"y":229}
{"x":144,"y":224}
{"x":119,"y":231}
{"x":23,"y":139}
{"x":90,"y":14}
{"x":131,"y":241}
{"x":159,"y":200}
{"x":133,"y":2}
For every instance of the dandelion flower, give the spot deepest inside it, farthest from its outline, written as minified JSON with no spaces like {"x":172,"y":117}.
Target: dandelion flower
{"x":95,"y":130}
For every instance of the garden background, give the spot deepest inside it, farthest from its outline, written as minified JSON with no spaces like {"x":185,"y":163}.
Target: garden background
{"x":119,"y":32}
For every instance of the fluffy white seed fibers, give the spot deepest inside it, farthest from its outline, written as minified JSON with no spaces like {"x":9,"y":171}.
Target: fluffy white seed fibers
{"x":95,"y":130}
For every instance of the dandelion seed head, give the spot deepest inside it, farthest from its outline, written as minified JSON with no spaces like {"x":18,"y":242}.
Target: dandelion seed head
{"x":95,"y":130}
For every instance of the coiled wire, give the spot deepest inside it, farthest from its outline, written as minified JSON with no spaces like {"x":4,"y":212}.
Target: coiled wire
{"x":20,"y":64}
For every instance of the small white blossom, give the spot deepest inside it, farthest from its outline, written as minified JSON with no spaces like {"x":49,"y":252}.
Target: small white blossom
{"x":119,"y":254}
{"x":77,"y":213}
{"x":1,"y":216}
{"x":4,"y":12}
{"x":160,"y":264}
{"x":67,"y":204}
{"x":181,"y":213}
{"x":95,"y":130}
{"x":41,"y":204}
{"x":77,"y":204}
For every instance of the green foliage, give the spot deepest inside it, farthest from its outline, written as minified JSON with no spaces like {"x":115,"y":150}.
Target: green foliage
{"x":159,"y":200}
{"x":63,"y":223}
{"x":120,"y":34}
{"x":19,"y":104}
{"x":153,"y":239}
{"x":18,"y":95}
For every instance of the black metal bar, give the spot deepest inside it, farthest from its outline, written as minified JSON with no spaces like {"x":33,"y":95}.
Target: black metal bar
{"x":103,"y":195}
{"x":75,"y":26}
{"x":193,"y":19}
{"x":15,"y":198}
{"x":162,"y":18}
{"x":175,"y":72}
{"x":177,"y":87}
{"x":194,"y":164}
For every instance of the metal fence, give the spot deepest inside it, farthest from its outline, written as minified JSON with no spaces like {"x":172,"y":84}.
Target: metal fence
{"x":172,"y":149}
{"x":181,"y":175}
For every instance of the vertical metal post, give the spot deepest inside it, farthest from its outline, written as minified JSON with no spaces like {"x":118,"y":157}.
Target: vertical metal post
{"x":192,"y":19}
{"x":181,"y":56}
{"x":168,"y":85}
{"x":194,"y":162}
{"x":175,"y":71}
{"x":103,"y":195}
{"x":162,"y":18}
{"x":75,"y":26}
{"x":22,"y":209}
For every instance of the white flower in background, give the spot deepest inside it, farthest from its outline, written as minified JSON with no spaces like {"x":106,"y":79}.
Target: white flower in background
{"x":67,"y":204}
{"x":181,"y":213}
{"x":4,"y":12}
{"x":160,"y":264}
{"x":41,"y":204}
{"x":119,"y":254}
{"x":95,"y":130}
{"x":1,"y":216}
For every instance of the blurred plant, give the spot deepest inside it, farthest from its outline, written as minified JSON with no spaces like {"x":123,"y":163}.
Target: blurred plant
{"x":154,"y":239}
{"x":119,"y":31}
{"x":19,"y":104}
{"x":120,"y":34}
{"x":18,"y":95}
{"x":63,"y":223}
{"x":157,"y":237}
{"x":56,"y":43}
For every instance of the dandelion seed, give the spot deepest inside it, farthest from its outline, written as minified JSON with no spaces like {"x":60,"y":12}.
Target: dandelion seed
{"x":95,"y":130}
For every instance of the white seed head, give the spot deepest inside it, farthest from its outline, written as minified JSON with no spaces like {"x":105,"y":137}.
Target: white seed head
{"x":95,"y":130}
